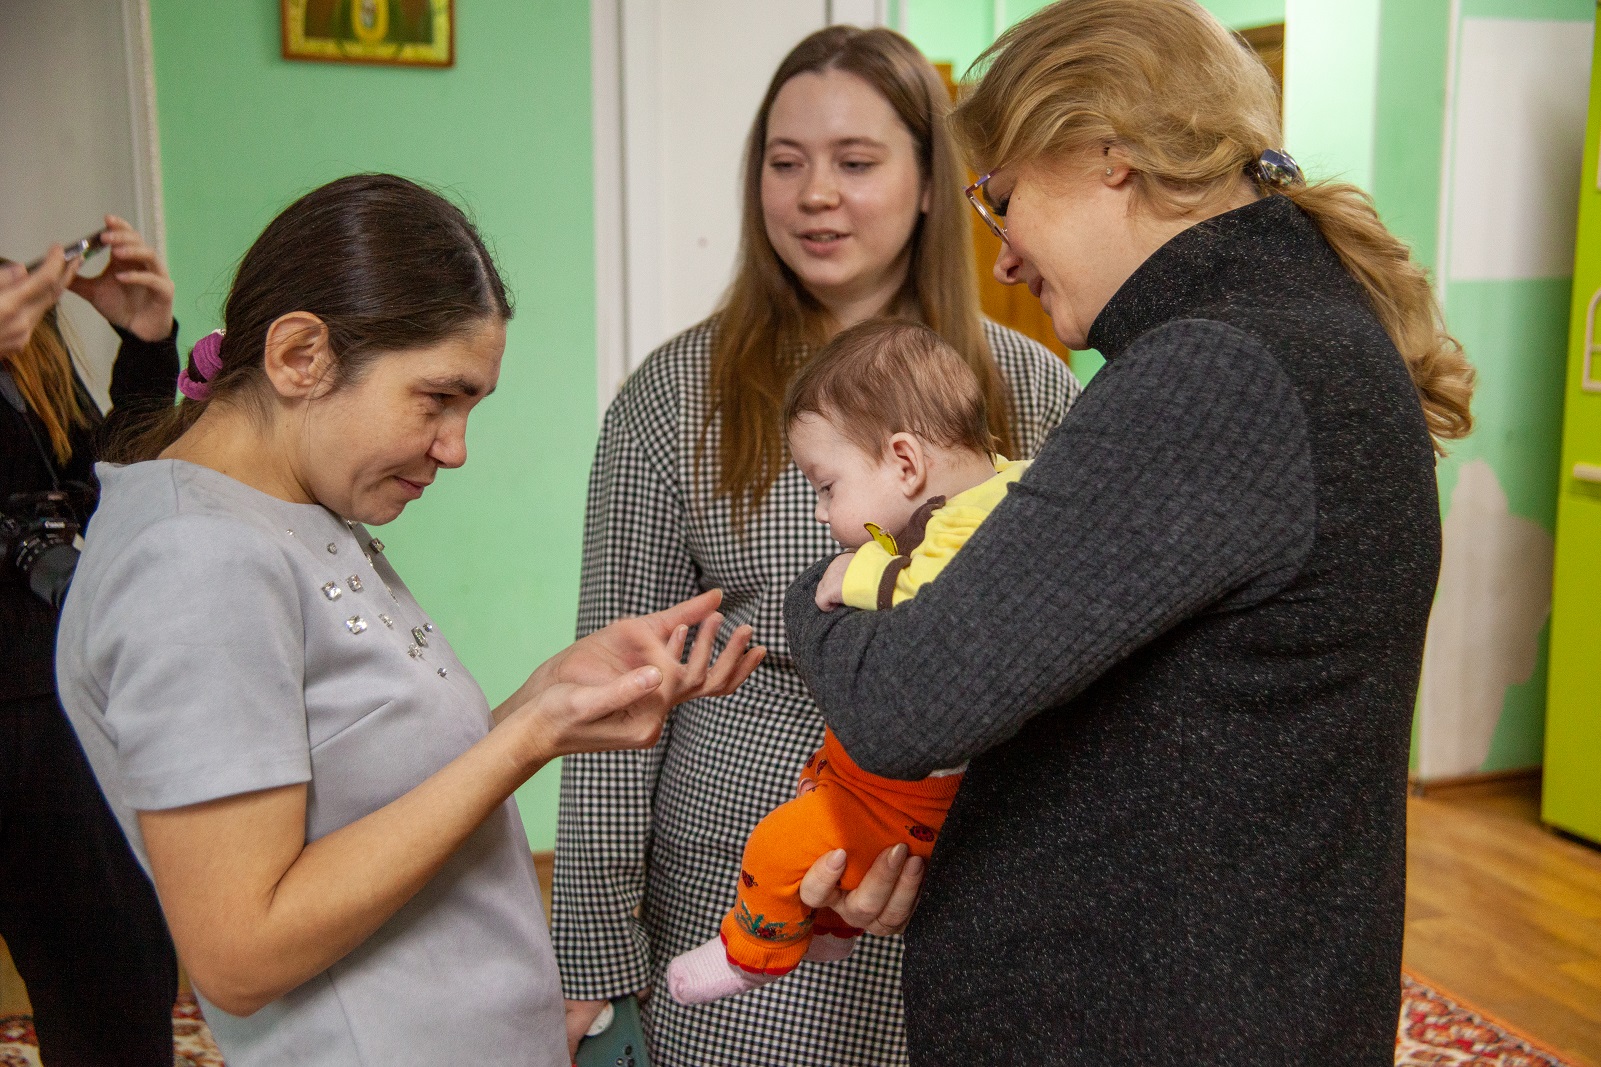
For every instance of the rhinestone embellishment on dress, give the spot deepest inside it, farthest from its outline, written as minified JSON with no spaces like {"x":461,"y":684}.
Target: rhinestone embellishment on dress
{"x":420,"y":637}
{"x":354,"y":582}
{"x":387,"y":621}
{"x":355,"y":624}
{"x":443,"y":673}
{"x":376,"y":545}
{"x":414,"y":652}
{"x":332,"y":591}
{"x":333,"y":549}
{"x":428,"y":626}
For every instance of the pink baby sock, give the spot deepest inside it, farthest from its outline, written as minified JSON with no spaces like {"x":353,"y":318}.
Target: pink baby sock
{"x":704,"y":974}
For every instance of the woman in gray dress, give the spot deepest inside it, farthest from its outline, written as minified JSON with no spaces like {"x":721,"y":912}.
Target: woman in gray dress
{"x":852,"y":209}
{"x":315,"y":783}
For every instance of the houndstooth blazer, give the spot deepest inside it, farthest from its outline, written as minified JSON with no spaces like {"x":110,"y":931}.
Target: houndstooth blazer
{"x":648,"y":843}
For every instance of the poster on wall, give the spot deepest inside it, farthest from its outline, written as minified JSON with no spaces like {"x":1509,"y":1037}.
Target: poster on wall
{"x":413,"y":33}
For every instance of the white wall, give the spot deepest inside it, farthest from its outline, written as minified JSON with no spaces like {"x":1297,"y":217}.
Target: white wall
{"x":676,"y":84}
{"x":1510,"y":192}
{"x":76,"y":126}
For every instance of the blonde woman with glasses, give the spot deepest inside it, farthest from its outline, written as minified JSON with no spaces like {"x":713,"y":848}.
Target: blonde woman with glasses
{"x":852,"y":210}
{"x":1193,"y":629}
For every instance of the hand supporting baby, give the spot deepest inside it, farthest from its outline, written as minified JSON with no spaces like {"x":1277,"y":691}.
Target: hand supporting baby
{"x":831,"y":590}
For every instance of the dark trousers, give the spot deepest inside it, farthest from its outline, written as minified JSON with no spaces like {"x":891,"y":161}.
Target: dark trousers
{"x":79,"y":915}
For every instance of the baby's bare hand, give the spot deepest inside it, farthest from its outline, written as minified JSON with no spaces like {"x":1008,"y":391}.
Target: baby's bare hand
{"x":831,"y":590}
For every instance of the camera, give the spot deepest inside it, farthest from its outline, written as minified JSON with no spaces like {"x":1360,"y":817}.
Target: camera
{"x":39,"y":538}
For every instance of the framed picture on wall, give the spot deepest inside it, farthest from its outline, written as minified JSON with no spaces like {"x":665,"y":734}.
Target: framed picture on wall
{"x":413,"y":33}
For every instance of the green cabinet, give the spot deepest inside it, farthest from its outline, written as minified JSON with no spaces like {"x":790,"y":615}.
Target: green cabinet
{"x":1572,"y":798}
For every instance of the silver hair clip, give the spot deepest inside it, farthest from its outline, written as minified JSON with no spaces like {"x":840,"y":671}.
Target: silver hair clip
{"x":1277,"y":169}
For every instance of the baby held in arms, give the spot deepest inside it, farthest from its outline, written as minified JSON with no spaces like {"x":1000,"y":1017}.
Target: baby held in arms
{"x":888,"y":423}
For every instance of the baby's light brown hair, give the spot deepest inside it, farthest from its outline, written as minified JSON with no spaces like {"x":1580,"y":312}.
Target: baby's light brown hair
{"x":889,"y":376}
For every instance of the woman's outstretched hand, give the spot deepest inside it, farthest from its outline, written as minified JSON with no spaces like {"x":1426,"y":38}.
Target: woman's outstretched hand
{"x":613,"y":689}
{"x":882,"y":904}
{"x":24,"y":297}
{"x":134,"y":291}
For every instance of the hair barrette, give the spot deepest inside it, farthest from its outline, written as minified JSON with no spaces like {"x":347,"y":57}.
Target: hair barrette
{"x":1277,"y":169}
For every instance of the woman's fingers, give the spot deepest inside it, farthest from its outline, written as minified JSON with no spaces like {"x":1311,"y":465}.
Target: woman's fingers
{"x":675,"y":643}
{"x":595,"y":718}
{"x":25,"y":297}
{"x":592,"y":703}
{"x":700,"y":657}
{"x":144,"y":278}
{"x":819,"y":887}
{"x":688,"y":612}
{"x":624,"y":691}
{"x":717,"y":673}
{"x":883,"y":902}
{"x":861,"y":907}
{"x":747,"y":664}
{"x":581,"y":1014}
{"x":902,"y":901}
{"x":724,"y":676}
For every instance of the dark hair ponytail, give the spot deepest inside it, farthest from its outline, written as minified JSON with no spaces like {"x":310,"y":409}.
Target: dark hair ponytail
{"x":386,"y":264}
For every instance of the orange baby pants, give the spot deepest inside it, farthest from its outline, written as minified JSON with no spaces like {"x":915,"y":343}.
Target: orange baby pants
{"x":839,"y":806}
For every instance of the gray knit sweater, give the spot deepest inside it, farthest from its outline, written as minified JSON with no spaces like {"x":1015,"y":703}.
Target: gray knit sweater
{"x":1181,"y":656}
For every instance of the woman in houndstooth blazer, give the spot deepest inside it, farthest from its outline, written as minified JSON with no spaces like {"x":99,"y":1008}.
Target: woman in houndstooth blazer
{"x":852,"y":209}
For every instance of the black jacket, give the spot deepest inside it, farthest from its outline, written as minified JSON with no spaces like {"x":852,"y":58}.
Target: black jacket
{"x":144,"y":374}
{"x":1182,"y":656}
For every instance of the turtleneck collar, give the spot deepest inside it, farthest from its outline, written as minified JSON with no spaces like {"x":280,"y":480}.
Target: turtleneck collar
{"x":1266,"y":245}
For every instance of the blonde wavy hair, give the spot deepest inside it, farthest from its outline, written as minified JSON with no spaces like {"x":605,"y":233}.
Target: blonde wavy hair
{"x":1191,"y":108}
{"x":43,"y":373}
{"x":768,"y":321}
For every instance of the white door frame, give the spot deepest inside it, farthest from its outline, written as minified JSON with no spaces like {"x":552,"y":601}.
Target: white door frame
{"x":611,"y":264}
{"x":140,"y":54}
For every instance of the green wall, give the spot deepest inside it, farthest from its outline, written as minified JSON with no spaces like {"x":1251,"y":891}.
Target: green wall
{"x":956,"y":31}
{"x":1331,"y":86}
{"x":492,"y":550}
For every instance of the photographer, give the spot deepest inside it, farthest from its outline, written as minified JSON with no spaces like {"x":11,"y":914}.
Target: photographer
{"x":79,"y":916}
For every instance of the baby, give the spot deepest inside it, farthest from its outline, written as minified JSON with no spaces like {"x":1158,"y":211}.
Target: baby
{"x":888,"y":423}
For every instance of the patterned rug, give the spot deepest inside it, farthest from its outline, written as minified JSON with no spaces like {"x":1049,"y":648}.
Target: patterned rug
{"x":192,"y":1045}
{"x":1435,"y":1031}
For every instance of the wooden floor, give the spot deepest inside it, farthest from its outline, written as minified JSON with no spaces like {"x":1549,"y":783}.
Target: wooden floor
{"x":1501,"y":912}
{"x":1506,"y":914}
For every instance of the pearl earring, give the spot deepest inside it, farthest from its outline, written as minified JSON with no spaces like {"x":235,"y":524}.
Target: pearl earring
{"x":1108,"y":172}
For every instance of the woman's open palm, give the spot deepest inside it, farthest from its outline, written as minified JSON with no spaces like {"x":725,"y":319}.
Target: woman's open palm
{"x":632,"y":644}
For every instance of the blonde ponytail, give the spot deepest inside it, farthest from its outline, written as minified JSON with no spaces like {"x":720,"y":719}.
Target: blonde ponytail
{"x":1402,"y":299}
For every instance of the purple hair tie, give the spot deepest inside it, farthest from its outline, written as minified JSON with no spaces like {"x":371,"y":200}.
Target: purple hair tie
{"x":206,"y":359}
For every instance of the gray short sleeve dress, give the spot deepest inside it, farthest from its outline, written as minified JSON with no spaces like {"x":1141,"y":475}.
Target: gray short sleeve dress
{"x":219,"y":641}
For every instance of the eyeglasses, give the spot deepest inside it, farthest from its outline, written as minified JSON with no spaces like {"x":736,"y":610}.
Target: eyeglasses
{"x":988,"y":210}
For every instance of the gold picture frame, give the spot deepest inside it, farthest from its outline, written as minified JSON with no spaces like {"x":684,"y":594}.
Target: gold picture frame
{"x":410,"y":33}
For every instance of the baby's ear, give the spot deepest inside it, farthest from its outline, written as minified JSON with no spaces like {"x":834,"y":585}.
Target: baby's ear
{"x":908,"y":455}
